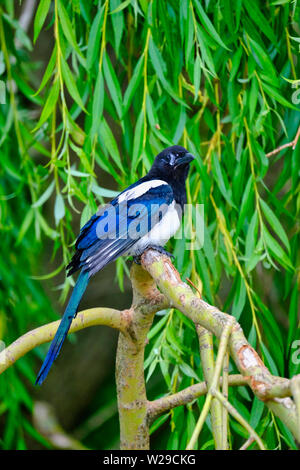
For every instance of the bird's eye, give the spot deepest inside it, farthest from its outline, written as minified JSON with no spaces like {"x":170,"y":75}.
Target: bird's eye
{"x":171,"y":159}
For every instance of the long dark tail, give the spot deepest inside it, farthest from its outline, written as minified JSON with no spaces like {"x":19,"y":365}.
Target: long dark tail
{"x":64,"y":326}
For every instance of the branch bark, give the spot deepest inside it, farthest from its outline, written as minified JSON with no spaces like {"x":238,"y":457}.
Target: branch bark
{"x":208,"y":365}
{"x":274,"y":391}
{"x":157,"y":285}
{"x":187,"y":395}
{"x":132,"y":399}
{"x":292,"y":144}
{"x":43,"y":334}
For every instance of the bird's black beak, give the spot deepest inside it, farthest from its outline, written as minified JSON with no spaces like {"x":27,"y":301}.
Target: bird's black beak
{"x":187,"y":158}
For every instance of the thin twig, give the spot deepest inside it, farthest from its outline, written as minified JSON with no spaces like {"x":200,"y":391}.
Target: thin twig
{"x":193,"y":285}
{"x":238,"y":417}
{"x":214,"y":383}
{"x":224,"y":409}
{"x":292,"y":144}
{"x":188,"y":395}
{"x":208,"y":366}
{"x":248,"y":443}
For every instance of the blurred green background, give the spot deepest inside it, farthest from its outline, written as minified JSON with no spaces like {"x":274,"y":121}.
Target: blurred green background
{"x":93,"y":91}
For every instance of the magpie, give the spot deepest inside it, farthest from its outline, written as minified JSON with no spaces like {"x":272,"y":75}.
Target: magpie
{"x":145,"y":215}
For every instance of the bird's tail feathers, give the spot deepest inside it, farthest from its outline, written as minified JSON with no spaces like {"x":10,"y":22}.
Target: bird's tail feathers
{"x":64,"y":326}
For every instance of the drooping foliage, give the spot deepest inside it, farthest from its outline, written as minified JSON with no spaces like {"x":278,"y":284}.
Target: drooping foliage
{"x":122,"y":80}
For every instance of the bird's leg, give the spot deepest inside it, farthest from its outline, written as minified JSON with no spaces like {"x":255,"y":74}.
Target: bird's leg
{"x":137,"y":259}
{"x":161,"y":250}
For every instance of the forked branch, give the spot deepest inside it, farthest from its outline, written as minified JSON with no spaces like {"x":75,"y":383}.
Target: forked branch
{"x":157,"y":285}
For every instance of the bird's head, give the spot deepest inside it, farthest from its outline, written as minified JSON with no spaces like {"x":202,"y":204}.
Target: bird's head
{"x":172,"y":163}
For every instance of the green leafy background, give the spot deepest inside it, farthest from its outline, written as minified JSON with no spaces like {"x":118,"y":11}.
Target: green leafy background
{"x":94,"y":90}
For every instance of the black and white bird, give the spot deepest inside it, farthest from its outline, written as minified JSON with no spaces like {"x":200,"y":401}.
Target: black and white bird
{"x":146,"y":214}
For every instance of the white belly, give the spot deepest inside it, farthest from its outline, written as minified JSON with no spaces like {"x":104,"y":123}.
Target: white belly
{"x":161,"y":232}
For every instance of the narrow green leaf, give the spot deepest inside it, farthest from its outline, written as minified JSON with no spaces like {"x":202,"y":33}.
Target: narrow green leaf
{"x":236,"y":63}
{"x":197,"y":76}
{"x":208,"y":24}
{"x":85,"y":215}
{"x":25,"y":226}
{"x":221,"y":179}
{"x":205,"y":52}
{"x":121,"y":7}
{"x":40,"y":17}
{"x":49,"y":105}
{"x":246,"y":204}
{"x":253,"y":97}
{"x":160,"y":69}
{"x":113,"y":84}
{"x":103,"y":191}
{"x":94,"y":39}
{"x":259,"y":19}
{"x":48,"y":71}
{"x":158,"y":423}
{"x":71,"y":84}
{"x":264,"y":61}
{"x":67,"y":27}
{"x":251,"y":237}
{"x":188,"y":371}
{"x":209,"y":252}
{"x":59,"y":208}
{"x":275,"y":224}
{"x":276,"y":250}
{"x":49,"y":232}
{"x":98,"y":100}
{"x":276,"y":95}
{"x":133,"y":84}
{"x":110,"y":143}
{"x":137,"y":142}
{"x":157,"y":327}
{"x":269,"y":359}
{"x":239,"y":299}
{"x":45,"y":196}
{"x":49,"y":275}
{"x":118,"y":23}
{"x":256,"y":412}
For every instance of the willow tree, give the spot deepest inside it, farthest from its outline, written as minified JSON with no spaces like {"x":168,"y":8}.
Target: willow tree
{"x":122,"y":81}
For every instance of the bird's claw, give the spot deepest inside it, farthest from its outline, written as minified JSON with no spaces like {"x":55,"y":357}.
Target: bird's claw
{"x":162,"y":251}
{"x":137,"y":259}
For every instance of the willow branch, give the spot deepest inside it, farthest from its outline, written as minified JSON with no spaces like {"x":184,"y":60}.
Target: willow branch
{"x":274,"y":391}
{"x":208,"y":364}
{"x":187,"y":395}
{"x":157,"y":285}
{"x":214,"y":384}
{"x":248,"y":443}
{"x":224,"y":409}
{"x":292,"y":144}
{"x":45,"y":333}
{"x":130,"y":378}
{"x":238,"y":417}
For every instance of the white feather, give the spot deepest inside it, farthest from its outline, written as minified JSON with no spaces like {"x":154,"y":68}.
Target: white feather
{"x":139,"y":190}
{"x":161,"y":232}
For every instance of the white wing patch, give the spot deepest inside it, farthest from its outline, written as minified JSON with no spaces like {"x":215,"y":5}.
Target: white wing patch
{"x":161,"y":232}
{"x":139,"y":190}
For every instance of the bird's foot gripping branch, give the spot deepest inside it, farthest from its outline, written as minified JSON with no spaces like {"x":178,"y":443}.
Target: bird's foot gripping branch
{"x":157,"y":285}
